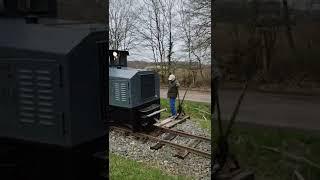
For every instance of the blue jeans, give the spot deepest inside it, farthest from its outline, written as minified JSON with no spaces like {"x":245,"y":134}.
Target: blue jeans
{"x":173,"y":106}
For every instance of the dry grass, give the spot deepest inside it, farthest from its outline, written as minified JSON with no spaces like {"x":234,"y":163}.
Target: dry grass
{"x":248,"y":140}
{"x":182,"y":72}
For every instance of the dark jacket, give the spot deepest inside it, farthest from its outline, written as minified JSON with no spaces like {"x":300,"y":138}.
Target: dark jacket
{"x":173,"y":89}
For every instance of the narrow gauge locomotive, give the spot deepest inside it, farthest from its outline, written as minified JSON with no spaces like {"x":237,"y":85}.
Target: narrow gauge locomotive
{"x":50,"y":90}
{"x":50,"y":84}
{"x":52,"y":104}
{"x":134,"y":94}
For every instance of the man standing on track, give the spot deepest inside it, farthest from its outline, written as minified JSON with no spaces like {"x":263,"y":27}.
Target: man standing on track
{"x":172,"y":93}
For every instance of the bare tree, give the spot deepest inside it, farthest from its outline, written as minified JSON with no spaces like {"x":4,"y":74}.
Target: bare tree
{"x":201,"y":9}
{"x":157,"y":32}
{"x":288,"y":25}
{"x":156,"y":27}
{"x":195,"y":28}
{"x":122,"y":24}
{"x":201,"y":44}
{"x":264,"y":29}
{"x":169,"y":16}
{"x":185,"y":28}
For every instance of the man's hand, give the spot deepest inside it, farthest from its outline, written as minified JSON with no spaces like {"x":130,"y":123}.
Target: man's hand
{"x":177,"y":84}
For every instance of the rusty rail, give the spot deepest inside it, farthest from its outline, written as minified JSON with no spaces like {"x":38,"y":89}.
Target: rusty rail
{"x":184,"y":134}
{"x":169,"y":143}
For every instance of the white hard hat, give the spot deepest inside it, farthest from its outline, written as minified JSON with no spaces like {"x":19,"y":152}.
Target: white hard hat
{"x":171,"y":77}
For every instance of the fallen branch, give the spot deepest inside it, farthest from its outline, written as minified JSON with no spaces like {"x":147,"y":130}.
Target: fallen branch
{"x":204,"y":117}
{"x":292,"y":156}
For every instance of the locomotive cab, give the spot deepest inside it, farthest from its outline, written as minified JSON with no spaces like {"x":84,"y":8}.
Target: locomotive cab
{"x":118,"y":58}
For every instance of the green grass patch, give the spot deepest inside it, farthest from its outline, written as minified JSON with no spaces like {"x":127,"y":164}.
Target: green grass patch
{"x":121,"y":168}
{"x":198,"y":111}
{"x":247,"y":140}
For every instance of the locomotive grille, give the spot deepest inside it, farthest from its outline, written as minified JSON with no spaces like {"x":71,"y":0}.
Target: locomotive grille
{"x":147,"y":86}
{"x":35,"y":96}
{"x":120,"y":91}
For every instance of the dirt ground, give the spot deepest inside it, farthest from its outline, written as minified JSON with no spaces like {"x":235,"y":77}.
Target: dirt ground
{"x":199,"y":96}
{"x":295,"y":111}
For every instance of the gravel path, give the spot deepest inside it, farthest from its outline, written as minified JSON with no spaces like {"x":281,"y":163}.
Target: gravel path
{"x":192,"y":95}
{"x":192,"y":166}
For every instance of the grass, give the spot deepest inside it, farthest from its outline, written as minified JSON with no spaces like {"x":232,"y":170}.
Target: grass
{"x":247,"y":140}
{"x":122,"y":168}
{"x":198,"y":111}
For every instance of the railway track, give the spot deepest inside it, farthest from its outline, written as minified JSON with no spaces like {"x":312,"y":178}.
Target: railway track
{"x":170,"y":135}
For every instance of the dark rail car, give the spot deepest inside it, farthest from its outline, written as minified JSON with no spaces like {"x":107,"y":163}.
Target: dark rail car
{"x":51,"y":101}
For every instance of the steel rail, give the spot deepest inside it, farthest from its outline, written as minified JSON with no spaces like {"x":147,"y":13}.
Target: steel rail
{"x":181,"y":133}
{"x":174,"y":145}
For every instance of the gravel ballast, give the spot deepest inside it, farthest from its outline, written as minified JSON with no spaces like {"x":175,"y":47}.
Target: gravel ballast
{"x":192,"y":166}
